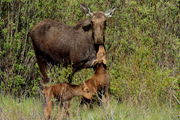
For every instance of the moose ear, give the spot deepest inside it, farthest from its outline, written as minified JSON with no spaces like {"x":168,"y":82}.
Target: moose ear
{"x":86,"y":10}
{"x":110,"y":12}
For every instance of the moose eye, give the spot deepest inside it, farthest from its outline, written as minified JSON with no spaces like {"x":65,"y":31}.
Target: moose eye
{"x":87,"y":27}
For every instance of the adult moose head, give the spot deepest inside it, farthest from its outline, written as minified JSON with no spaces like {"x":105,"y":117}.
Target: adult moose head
{"x":98,"y":23}
{"x":77,"y":45}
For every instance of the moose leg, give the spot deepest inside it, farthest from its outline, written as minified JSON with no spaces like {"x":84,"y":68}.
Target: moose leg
{"x":43,"y":68}
{"x":105,"y":97}
{"x":48,"y":106}
{"x":65,"y":109}
{"x":70,"y":77}
{"x":86,"y":103}
{"x":72,"y":74}
{"x":47,"y":110}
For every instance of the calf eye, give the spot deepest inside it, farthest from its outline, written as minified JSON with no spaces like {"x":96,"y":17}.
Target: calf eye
{"x":87,"y":90}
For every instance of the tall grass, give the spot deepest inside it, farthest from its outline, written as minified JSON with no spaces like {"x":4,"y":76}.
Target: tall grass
{"x":32,"y":109}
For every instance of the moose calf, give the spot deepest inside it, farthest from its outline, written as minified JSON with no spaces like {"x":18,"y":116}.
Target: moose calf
{"x":64,"y":92}
{"x":99,"y":82}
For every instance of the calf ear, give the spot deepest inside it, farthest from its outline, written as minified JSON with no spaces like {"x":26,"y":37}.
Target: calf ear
{"x":110,"y":12}
{"x":86,"y":10}
{"x":84,"y":86}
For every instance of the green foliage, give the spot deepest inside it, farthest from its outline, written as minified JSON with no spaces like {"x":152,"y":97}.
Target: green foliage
{"x":142,"y":43}
{"x":59,"y":74}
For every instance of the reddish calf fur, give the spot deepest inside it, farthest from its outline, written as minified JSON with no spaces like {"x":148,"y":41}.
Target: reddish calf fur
{"x":101,"y":55}
{"x":99,"y":81}
{"x":64,"y":92}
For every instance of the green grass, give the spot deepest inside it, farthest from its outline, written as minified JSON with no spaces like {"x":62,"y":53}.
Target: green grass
{"x":32,"y":109}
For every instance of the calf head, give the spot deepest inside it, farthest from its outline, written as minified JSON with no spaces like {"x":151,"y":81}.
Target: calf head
{"x":88,"y":91}
{"x":101,"y":56}
{"x":98,"y":22}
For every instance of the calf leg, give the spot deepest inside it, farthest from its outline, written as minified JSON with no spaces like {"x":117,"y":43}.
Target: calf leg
{"x":86,"y":103}
{"x":105,"y":97}
{"x":64,"y":113}
{"x":48,"y":108}
{"x":66,"y":106}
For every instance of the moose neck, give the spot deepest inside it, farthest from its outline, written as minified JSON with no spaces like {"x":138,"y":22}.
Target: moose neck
{"x":100,"y":69}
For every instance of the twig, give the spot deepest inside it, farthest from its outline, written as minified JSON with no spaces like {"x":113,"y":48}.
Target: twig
{"x":176,"y":99}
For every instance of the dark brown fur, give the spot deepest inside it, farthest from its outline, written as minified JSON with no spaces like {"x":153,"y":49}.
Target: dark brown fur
{"x":63,"y":92}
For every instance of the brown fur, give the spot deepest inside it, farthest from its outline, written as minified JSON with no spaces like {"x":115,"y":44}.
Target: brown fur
{"x":101,"y":55}
{"x":58,"y":43}
{"x":99,"y":81}
{"x":64,"y":92}
{"x":99,"y":24}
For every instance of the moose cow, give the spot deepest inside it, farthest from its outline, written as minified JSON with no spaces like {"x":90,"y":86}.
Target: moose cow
{"x":58,"y":43}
